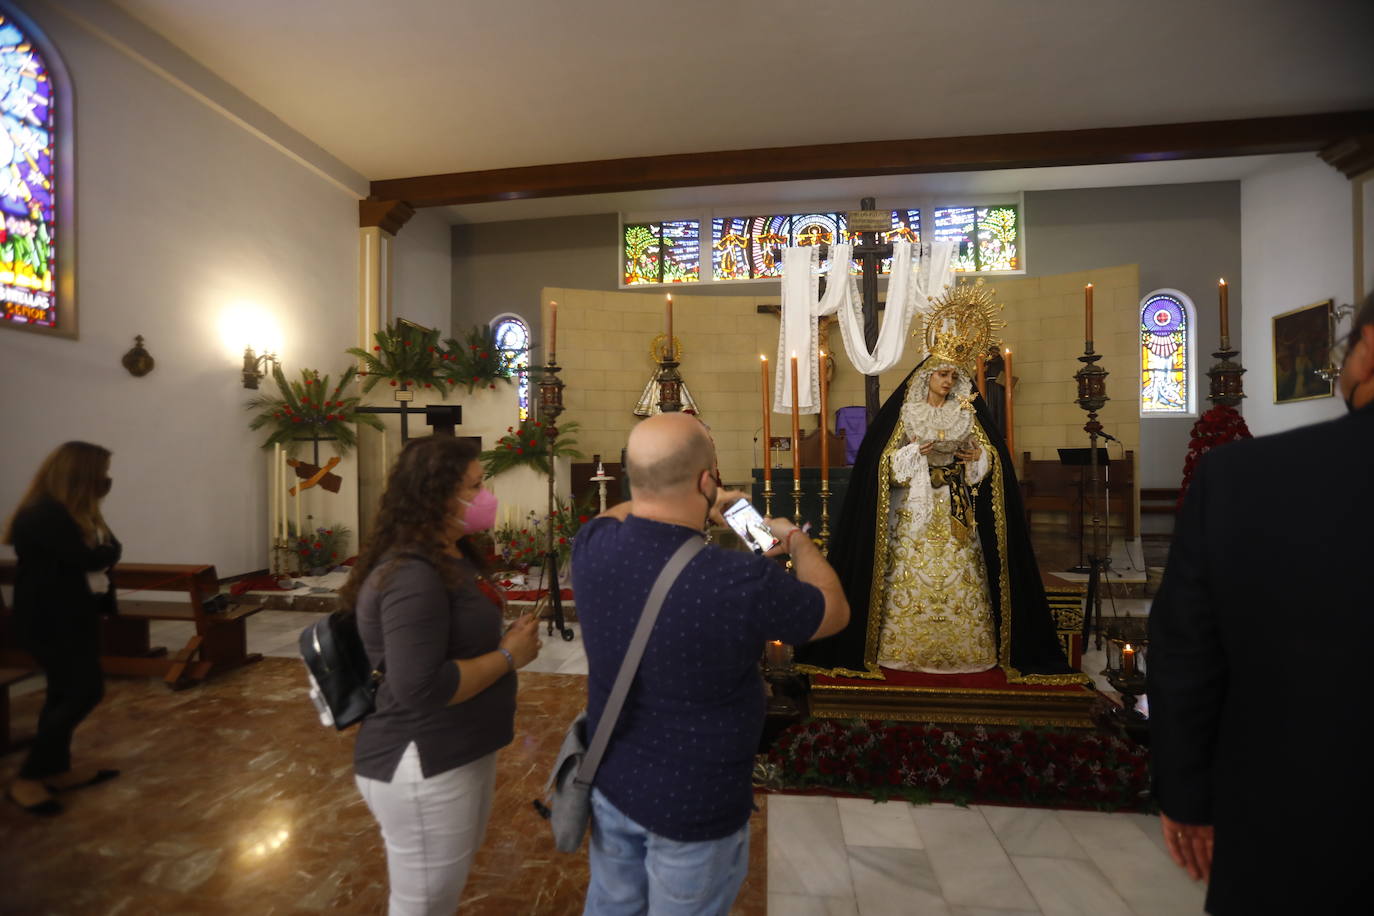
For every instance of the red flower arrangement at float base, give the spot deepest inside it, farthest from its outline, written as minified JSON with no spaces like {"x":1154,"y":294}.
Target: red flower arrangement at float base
{"x":1218,"y":426}
{"x":924,"y":762}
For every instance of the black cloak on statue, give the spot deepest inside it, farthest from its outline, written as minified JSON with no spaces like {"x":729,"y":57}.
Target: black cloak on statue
{"x":1035,"y":653}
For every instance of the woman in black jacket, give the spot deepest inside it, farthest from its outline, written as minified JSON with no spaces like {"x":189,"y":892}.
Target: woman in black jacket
{"x":64,"y":550}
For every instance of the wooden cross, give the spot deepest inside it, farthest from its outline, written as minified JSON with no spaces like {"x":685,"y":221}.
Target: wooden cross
{"x":870,"y":252}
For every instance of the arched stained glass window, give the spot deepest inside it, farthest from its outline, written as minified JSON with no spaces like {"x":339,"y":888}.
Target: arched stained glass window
{"x":513,"y":340}
{"x":28,"y":183}
{"x":1166,"y":359}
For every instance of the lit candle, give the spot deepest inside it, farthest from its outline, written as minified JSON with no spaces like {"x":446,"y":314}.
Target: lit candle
{"x":796,"y":426}
{"x":1128,"y":661}
{"x":775,"y":653}
{"x":669,"y":307}
{"x":982,"y":373}
{"x":825,"y":422}
{"x":1088,"y":314}
{"x":553,"y":332}
{"x":1224,"y":291}
{"x":1007,"y":382}
{"x":767,"y":424}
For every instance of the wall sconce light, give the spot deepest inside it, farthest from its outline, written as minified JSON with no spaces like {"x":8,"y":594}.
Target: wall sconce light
{"x":255,"y":367}
{"x":138,"y":361}
{"x":1335,"y":354}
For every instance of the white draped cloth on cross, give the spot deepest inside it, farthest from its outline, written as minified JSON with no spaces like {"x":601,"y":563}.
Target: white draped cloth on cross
{"x":918,"y":275}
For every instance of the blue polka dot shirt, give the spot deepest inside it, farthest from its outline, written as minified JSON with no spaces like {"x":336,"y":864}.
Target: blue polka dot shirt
{"x":681,"y":756}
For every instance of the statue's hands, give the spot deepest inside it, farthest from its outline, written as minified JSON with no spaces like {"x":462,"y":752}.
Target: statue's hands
{"x":969,"y":455}
{"x":926,"y":447}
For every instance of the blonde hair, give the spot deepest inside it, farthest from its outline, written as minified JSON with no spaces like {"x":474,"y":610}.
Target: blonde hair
{"x":73,"y":475}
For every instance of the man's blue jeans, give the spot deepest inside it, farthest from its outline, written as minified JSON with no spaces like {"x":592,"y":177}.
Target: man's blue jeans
{"x":635,"y":871}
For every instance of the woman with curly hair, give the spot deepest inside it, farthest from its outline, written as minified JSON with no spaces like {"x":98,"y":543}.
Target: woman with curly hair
{"x":425,"y":760}
{"x":64,"y":549}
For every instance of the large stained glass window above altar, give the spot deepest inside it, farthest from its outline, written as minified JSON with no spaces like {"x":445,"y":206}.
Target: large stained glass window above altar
{"x":28,"y":247}
{"x":1166,"y":383}
{"x":513,"y":342}
{"x":749,"y":246}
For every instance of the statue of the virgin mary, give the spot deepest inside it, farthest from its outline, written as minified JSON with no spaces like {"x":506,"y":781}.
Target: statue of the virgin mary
{"x":931,"y":545}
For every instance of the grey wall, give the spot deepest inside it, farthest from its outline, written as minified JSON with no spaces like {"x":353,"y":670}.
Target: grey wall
{"x":1182,"y":236}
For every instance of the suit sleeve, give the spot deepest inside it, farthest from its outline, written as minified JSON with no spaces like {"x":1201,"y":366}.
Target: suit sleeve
{"x":1187,"y":671}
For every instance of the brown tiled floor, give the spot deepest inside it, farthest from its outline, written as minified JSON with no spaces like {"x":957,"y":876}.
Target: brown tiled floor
{"x":234,"y":799}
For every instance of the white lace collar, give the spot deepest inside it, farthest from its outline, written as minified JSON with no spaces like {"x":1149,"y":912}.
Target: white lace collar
{"x":950,"y":421}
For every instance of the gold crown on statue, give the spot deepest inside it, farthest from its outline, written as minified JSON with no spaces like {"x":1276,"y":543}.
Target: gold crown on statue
{"x":963,"y":323}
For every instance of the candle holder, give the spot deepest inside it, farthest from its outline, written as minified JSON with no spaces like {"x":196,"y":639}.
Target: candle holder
{"x":1092,"y":397}
{"x":786,"y":685}
{"x":823,"y":541}
{"x":669,"y":384}
{"x":767,"y":498}
{"x":550,"y":407}
{"x":1125,"y":671}
{"x":1226,"y":387}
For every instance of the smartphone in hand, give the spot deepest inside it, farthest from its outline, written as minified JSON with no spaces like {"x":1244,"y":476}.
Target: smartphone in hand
{"x":750,"y":526}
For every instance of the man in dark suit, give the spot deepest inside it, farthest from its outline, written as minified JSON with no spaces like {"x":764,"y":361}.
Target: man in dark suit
{"x":1259,"y":655}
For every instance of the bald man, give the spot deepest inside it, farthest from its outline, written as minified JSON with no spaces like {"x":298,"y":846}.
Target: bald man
{"x":672,"y":799}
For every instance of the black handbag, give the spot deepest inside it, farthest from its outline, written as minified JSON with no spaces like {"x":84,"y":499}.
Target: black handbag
{"x":343,"y":684}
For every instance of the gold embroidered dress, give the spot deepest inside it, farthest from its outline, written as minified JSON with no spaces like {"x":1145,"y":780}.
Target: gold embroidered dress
{"x":936,"y":607}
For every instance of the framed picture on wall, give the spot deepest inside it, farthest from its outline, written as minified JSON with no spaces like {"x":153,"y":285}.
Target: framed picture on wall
{"x":1302,"y":344}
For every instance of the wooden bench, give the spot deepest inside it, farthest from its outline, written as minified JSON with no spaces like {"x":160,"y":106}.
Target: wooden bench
{"x":220,"y":640}
{"x":1048,"y":486}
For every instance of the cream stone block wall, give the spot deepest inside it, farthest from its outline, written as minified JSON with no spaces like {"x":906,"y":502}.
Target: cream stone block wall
{"x":604,"y":337}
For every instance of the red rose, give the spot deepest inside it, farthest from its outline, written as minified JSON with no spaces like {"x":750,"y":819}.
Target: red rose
{"x":407,"y":343}
{"x":562,"y":540}
{"x":393,"y":383}
{"x":428,"y":385}
{"x":376,"y":348}
{"x":582,"y":518}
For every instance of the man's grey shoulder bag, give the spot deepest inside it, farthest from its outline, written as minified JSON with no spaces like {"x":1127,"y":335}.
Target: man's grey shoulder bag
{"x":569,"y":789}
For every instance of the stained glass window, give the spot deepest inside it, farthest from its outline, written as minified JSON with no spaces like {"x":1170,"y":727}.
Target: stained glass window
{"x":750,"y":247}
{"x":1165,"y":342}
{"x":513,"y":340}
{"x":986,"y":238}
{"x":662,"y":252}
{"x":28,"y":248}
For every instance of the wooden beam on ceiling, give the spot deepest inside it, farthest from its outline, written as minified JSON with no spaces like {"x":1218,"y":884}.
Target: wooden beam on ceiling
{"x":1145,"y":143}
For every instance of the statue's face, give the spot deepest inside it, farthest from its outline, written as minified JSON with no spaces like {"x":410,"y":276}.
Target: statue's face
{"x":942,"y":381}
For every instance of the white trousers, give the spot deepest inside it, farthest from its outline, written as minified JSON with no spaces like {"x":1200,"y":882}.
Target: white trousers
{"x":432,"y":829}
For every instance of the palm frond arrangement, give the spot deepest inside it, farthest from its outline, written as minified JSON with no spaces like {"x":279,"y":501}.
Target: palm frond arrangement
{"x":402,"y":354}
{"x":309,"y":408}
{"x":528,"y":445}
{"x":475,"y":361}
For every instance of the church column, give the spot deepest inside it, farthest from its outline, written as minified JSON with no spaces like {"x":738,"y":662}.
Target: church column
{"x":1354,"y":158}
{"x":379,"y":221}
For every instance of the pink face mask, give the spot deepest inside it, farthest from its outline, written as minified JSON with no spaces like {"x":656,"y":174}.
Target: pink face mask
{"x":481,"y":512}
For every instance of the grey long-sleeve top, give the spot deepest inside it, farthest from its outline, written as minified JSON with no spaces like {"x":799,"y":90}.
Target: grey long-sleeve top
{"x":407,"y":617}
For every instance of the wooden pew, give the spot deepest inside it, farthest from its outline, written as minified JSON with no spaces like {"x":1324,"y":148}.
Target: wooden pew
{"x":220,"y":640}
{"x":1048,"y":486}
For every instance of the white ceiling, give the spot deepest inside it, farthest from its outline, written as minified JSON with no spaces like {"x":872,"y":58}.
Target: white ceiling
{"x":415,"y":87}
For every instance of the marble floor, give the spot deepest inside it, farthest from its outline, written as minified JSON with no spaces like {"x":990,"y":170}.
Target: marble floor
{"x":235,"y":800}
